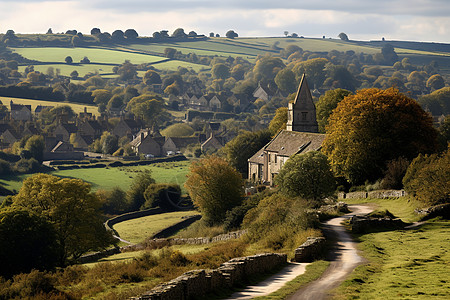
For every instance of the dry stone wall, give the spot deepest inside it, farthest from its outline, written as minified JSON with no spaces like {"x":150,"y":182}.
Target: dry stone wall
{"x":198,"y":283}
{"x":310,"y":250}
{"x":372,"y":194}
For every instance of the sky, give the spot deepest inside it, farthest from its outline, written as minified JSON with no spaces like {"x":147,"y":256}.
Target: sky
{"x":411,"y":20}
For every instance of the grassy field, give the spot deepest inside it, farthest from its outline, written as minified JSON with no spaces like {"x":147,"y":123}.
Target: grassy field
{"x":77,"y":108}
{"x":402,"y":264}
{"x":95,"y":55}
{"x":108,"y":178}
{"x":137,"y":230}
{"x":66,"y":69}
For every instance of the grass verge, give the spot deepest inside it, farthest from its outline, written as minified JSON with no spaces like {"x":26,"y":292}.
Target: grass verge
{"x":406,"y":264}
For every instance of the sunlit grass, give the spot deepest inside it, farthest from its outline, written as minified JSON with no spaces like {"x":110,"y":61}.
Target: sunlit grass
{"x":137,"y":230}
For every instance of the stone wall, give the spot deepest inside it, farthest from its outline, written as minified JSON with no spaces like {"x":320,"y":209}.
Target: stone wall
{"x":163,"y":242}
{"x":310,"y":250}
{"x":372,"y":194}
{"x":364,"y":224}
{"x":198,"y":283}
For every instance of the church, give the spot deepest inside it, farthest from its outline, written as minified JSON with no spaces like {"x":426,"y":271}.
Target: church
{"x":300,"y":136}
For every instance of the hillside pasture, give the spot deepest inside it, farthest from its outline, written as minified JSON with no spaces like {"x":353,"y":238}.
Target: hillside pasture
{"x":66,"y":69}
{"x":77,"y":108}
{"x":95,"y":55}
{"x":137,"y":230}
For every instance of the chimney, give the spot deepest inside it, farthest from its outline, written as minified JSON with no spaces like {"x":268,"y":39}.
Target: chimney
{"x":142,"y":136}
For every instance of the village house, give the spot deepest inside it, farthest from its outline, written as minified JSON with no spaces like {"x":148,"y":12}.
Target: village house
{"x":20,"y":112}
{"x":147,"y":144}
{"x":300,"y":136}
{"x":63,"y":131}
{"x":127,"y":127}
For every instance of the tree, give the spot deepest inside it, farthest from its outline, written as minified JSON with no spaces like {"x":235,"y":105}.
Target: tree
{"x":36,"y":146}
{"x":179,"y":33}
{"x":389,"y":55}
{"x":29,"y":242}
{"x":306,"y":175}
{"x":435,"y":82}
{"x":438,"y":102}
{"x":110,"y":144}
{"x":135,"y":194}
{"x":131,"y":34}
{"x":343,"y":36}
{"x":118,"y":35}
{"x":215,"y":187}
{"x":372,"y":127}
{"x":74,"y":74}
{"x":72,"y":210}
{"x":147,"y":106}
{"x":244,"y":146}
{"x":279,"y":121}
{"x":68,"y":60}
{"x":267,"y":67}
{"x":327,"y":103}
{"x":170,"y":52}
{"x":95,"y":31}
{"x":314,"y":70}
{"x":286,"y":81}
{"x":428,"y":178}
{"x":231,"y":34}
{"x":220,"y":71}
{"x":151,"y":77}
{"x":127,"y":71}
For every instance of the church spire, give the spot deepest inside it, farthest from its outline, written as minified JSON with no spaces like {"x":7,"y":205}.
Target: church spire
{"x":302,"y":112}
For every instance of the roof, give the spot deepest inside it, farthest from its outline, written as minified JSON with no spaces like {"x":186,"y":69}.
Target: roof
{"x":287,"y":143}
{"x":69,"y":127}
{"x":258,"y":157}
{"x":19,"y":107}
{"x":95,"y":125}
{"x":181,"y":142}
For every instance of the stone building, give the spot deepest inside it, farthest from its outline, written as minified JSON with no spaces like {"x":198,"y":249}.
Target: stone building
{"x":301,"y":136}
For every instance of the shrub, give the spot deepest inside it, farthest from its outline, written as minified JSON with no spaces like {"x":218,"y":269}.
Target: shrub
{"x":154,"y":195}
{"x":396,"y":170}
{"x":428,"y":178}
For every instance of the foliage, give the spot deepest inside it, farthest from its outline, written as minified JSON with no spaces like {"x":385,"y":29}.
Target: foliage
{"x":286,"y":81}
{"x":71,"y":209}
{"x":267,"y":67}
{"x":154,"y":195}
{"x":428,"y":178}
{"x":438,"y":102}
{"x":114,"y":201}
{"x":396,"y":170}
{"x":279,"y":222}
{"x":314,"y":69}
{"x":135,"y":194}
{"x":306,"y":175}
{"x":343,"y":36}
{"x":28,"y":242}
{"x":372,"y":127}
{"x":326,"y":104}
{"x":279,"y":121}
{"x":147,"y":106}
{"x":244,"y":146}
{"x":215,"y":187}
{"x":178,"y":130}
{"x":220,"y":71}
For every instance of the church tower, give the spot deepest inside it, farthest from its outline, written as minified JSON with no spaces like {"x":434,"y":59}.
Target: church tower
{"x":302,"y":112}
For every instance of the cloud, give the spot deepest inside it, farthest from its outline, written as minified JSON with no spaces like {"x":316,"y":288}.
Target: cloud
{"x":425,"y":20}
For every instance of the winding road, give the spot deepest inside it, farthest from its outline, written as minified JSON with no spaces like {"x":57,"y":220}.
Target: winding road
{"x":343,"y":260}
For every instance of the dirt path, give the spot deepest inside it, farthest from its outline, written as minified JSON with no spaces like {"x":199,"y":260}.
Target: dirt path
{"x":344,"y":258}
{"x":272,"y":283}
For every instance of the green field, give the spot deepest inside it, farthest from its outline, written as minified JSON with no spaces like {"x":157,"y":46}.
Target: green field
{"x":66,"y":69}
{"x":95,"y":55}
{"x":108,"y":178}
{"x":77,"y":108}
{"x":402,"y":264}
{"x":137,"y":230}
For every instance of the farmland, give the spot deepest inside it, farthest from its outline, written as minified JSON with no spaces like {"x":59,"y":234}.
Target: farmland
{"x":77,"y":108}
{"x":108,"y":178}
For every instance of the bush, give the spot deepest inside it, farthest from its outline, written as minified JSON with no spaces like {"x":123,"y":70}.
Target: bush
{"x":154,"y":195}
{"x":428,"y":178}
{"x":396,"y":170}
{"x":27,"y":166}
{"x":5,"y":168}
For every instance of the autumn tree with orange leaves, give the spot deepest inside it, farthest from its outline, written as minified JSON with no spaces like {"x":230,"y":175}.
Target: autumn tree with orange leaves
{"x":375,"y":126}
